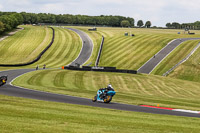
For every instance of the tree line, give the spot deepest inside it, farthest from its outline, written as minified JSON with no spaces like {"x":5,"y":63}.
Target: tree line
{"x":10,"y":20}
{"x":114,"y":21}
{"x":176,"y":25}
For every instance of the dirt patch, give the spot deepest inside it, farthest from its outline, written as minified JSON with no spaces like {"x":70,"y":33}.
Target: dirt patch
{"x":11,"y":33}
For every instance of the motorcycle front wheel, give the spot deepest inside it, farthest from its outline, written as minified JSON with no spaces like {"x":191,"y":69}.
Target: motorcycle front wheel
{"x":94,"y":99}
{"x":107,"y":99}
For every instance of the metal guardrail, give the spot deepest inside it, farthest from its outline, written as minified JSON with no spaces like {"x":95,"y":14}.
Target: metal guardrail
{"x":182,"y":61}
{"x":100,"y":50}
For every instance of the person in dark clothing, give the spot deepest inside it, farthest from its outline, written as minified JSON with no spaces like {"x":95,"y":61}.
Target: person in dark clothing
{"x":44,"y":66}
{"x":108,"y":88}
{"x":37,"y":67}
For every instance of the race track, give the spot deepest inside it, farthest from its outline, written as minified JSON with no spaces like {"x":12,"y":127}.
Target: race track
{"x":87,"y":48}
{"x":149,"y":66}
{"x":11,"y":90}
{"x":39,"y":95}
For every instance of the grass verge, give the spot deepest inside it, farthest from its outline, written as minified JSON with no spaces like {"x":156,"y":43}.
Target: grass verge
{"x":131,"y":89}
{"x":25,"y":115}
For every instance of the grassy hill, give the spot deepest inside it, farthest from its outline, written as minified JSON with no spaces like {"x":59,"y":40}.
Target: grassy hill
{"x":132,"y":89}
{"x":189,"y":70}
{"x":65,"y":49}
{"x":176,"y":56}
{"x":25,"y":115}
{"x":128,"y":52}
{"x":25,"y":45}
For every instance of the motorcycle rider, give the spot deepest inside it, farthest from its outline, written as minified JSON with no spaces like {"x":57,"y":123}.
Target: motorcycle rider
{"x":108,"y":88}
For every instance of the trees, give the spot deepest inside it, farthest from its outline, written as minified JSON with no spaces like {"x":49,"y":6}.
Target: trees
{"x":176,"y":25}
{"x":125,"y":23}
{"x":1,"y":27}
{"x":168,"y":25}
{"x":8,"y":21}
{"x":140,"y":23}
{"x":148,"y":24}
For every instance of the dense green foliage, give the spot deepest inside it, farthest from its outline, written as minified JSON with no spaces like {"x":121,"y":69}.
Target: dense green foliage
{"x":176,"y":25}
{"x":125,"y":23}
{"x":32,"y":18}
{"x":9,"y":21}
{"x":130,"y":88}
{"x":140,"y":23}
{"x":148,"y":24}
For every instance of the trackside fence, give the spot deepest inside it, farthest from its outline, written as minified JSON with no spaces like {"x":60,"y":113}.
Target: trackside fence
{"x":100,"y":50}
{"x":100,"y":69}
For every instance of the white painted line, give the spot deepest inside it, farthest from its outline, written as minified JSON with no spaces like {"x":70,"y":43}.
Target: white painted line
{"x":187,"y":111}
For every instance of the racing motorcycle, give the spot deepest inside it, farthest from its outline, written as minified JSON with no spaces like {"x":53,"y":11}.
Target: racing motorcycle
{"x":104,"y":95}
{"x":3,"y":80}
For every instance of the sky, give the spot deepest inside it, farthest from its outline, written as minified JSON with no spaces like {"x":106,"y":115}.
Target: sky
{"x":159,"y":12}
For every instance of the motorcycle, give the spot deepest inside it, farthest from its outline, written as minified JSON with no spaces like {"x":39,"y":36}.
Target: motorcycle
{"x":104,"y":95}
{"x":3,"y":80}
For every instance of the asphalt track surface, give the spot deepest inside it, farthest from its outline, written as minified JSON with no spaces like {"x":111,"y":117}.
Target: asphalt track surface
{"x":149,"y":66}
{"x":11,"y":90}
{"x":87,"y":48}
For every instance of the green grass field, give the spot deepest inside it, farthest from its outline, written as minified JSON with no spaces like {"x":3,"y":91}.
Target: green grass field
{"x":65,"y":49}
{"x":25,"y":45}
{"x":189,"y":70}
{"x":25,"y":115}
{"x":133,"y":52}
{"x":130,"y":88}
{"x":127,"y":52}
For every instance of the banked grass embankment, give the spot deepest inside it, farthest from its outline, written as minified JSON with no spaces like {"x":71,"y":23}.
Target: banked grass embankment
{"x":25,"y":45}
{"x":65,"y":49}
{"x":126,"y":52}
{"x":176,"y":56}
{"x":189,"y":70}
{"x":132,"y":89}
{"x":25,"y":115}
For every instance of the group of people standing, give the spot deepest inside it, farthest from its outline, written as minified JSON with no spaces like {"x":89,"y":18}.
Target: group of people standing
{"x":44,"y":67}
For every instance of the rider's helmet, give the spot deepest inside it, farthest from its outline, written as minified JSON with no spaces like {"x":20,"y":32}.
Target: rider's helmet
{"x":109,"y":86}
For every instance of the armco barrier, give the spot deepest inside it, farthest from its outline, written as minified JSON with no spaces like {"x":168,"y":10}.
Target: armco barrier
{"x":100,"y":69}
{"x":36,"y":59}
{"x":100,"y":50}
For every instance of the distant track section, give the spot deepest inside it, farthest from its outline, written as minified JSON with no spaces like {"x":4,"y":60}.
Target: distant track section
{"x":149,"y":66}
{"x":86,"y":50}
{"x":36,"y":59}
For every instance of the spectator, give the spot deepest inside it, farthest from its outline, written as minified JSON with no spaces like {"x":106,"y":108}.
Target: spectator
{"x":37,"y":67}
{"x":44,"y":66}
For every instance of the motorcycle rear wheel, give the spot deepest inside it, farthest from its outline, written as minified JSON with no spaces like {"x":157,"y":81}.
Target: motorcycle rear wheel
{"x":107,"y":99}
